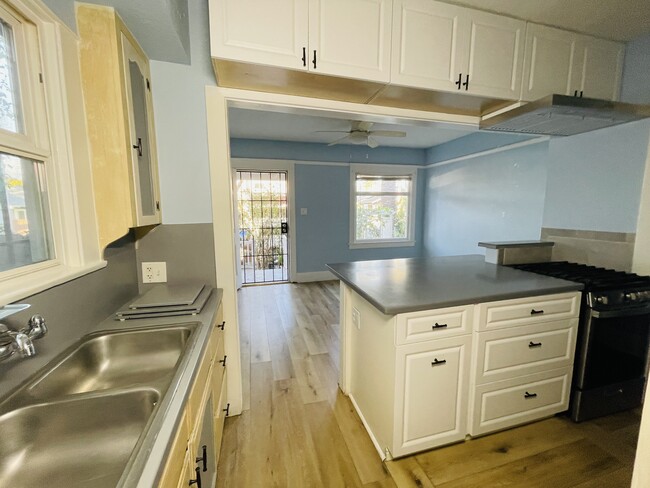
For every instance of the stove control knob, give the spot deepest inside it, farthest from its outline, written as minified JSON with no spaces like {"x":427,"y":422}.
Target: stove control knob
{"x":630,"y":297}
{"x":599,"y":300}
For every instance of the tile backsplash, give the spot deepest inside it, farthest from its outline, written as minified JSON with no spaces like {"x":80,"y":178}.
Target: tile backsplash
{"x":606,"y":249}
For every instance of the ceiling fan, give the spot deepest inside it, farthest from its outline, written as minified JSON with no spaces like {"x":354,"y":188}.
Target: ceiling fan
{"x":360,"y":133}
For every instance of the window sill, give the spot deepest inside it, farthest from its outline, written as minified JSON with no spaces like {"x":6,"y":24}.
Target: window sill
{"x":24,"y":286}
{"x":379,"y":244}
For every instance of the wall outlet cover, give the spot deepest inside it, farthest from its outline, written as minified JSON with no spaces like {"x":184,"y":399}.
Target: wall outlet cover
{"x":154,"y":272}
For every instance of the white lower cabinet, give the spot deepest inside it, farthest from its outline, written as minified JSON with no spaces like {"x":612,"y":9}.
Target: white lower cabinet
{"x":431,"y":400}
{"x":518,"y":400}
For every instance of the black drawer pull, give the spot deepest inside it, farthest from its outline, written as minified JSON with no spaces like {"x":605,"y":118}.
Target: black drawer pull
{"x":536,"y":312}
{"x":530,"y":395}
{"x":196,"y":481}
{"x":532,"y":344}
{"x":438,"y":362}
{"x":221,"y":325}
{"x":227,"y":409}
{"x":460,"y":80}
{"x":223,"y":361}
{"x":438,"y":326}
{"x":204,"y":458}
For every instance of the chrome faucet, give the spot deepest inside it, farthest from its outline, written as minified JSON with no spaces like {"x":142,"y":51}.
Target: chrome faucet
{"x":12,"y":341}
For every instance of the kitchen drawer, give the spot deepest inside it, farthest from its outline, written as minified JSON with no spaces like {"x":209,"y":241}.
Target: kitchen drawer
{"x":529,"y":310}
{"x":512,"y":402}
{"x":433,"y":324}
{"x":506,"y":353}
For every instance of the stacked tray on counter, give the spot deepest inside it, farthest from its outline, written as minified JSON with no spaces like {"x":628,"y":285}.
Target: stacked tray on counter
{"x":166,"y":301}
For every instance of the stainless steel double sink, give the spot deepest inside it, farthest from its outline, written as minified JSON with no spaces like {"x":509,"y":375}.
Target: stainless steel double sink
{"x":79,"y":420}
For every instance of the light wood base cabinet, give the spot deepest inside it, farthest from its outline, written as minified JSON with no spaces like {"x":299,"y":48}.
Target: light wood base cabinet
{"x":202,"y":421}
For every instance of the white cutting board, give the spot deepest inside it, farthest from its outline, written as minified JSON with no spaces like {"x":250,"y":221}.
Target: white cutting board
{"x":168,"y":296}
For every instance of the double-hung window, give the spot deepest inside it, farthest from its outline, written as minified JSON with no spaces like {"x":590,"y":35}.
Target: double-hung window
{"x":47,"y":224}
{"x":382,"y":206}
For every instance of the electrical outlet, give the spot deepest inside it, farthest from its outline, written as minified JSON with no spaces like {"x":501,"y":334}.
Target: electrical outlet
{"x":154,"y":272}
{"x":356,"y":318}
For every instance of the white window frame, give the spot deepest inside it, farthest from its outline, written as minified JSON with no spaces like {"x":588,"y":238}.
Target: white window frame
{"x":382,"y":170}
{"x":53,"y":119}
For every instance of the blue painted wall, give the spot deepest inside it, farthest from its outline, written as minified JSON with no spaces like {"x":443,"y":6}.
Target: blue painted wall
{"x":498,"y":197}
{"x":595,"y":179}
{"x":306,"y":151}
{"x":472,"y":144}
{"x":323,"y":234}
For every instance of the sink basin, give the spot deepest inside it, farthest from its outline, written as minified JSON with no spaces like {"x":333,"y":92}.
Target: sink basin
{"x":80,"y":442}
{"x":115,"y":360}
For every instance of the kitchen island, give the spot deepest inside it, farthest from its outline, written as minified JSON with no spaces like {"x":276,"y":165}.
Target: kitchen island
{"x":435,"y":349}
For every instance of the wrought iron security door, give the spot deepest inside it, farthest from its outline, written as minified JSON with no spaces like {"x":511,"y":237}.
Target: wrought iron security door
{"x":263,"y":226}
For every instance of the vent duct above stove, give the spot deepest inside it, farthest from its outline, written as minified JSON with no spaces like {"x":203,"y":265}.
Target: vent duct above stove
{"x":561,"y":115}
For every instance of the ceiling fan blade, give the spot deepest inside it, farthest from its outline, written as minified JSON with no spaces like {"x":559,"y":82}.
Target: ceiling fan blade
{"x":372,"y":143}
{"x":388,"y":133}
{"x":359,"y":125}
{"x":338,"y":141}
{"x":331,"y":131}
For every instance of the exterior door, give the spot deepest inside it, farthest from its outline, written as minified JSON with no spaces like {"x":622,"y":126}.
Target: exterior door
{"x":263,"y":226}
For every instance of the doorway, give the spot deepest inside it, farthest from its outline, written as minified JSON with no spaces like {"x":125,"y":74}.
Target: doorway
{"x":262,"y":219}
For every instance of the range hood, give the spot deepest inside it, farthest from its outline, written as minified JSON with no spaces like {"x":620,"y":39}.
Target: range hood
{"x":561,"y":115}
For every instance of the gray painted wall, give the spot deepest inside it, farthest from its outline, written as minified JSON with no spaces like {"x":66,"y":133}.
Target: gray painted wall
{"x":636,"y":72}
{"x":72,"y":308}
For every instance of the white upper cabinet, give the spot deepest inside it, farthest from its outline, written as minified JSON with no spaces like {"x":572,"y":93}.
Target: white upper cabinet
{"x":445,"y":47}
{"x":428,"y":50}
{"x":549,"y":62}
{"x":565,"y":63}
{"x":598,"y":68}
{"x":349,"y":38}
{"x":270,"y":32}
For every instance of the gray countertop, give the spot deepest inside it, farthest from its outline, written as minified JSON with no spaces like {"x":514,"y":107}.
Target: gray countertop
{"x":408,"y":285}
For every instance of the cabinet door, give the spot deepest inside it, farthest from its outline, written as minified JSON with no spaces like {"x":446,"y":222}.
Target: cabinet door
{"x":350,"y":38}
{"x":143,"y":151}
{"x":549,"y":62}
{"x":432,"y":391}
{"x":598,"y":68}
{"x":271,"y":32}
{"x":496,"y":55}
{"x":430,"y":44}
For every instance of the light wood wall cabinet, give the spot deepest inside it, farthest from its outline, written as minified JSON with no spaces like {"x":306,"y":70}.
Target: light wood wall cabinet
{"x":445,"y":47}
{"x":348,"y":38}
{"x":567,"y":63}
{"x":117,"y":96}
{"x":196,"y":447}
{"x":524,"y":351}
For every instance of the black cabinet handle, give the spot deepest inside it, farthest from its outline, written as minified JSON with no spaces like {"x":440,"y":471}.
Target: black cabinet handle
{"x":196,"y":481}
{"x":158,"y":206}
{"x":227,"y":409}
{"x":530,"y":395}
{"x":221,"y":325}
{"x":314,"y":61}
{"x":575,"y":93}
{"x":460,"y":80}
{"x":204,"y":458}
{"x":536,"y":312}
{"x":466,"y":84}
{"x":223,"y":361}
{"x":304,"y":56}
{"x":138,"y":146}
{"x":438,"y":326}
{"x":580,"y":93}
{"x":438,"y":362}
{"x":532,"y":344}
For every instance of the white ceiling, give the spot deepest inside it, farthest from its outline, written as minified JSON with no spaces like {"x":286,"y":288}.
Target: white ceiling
{"x":621,"y":20}
{"x":276,"y":126}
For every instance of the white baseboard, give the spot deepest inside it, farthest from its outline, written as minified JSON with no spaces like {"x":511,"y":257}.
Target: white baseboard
{"x":375,"y":442}
{"x":313,"y":276}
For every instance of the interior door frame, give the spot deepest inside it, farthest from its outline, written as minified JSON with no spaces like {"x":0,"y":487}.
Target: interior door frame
{"x":243,"y":164}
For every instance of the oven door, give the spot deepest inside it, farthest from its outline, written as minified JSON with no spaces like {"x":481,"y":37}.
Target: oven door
{"x":614,"y":347}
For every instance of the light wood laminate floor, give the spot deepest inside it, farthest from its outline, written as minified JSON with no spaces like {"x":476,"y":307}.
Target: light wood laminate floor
{"x":298,"y":430}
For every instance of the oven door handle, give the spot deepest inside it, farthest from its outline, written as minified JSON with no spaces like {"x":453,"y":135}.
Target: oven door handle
{"x":630,"y":312}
